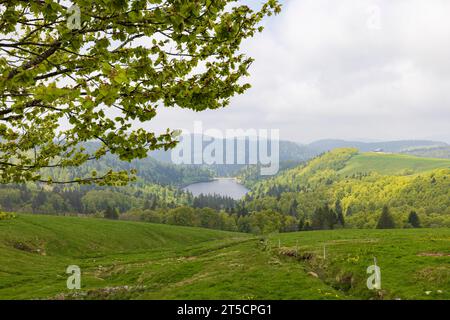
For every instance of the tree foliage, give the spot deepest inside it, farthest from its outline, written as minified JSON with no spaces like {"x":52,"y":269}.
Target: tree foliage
{"x":61,"y":85}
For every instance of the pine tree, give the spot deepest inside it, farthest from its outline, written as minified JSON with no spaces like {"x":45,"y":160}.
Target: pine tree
{"x":413,"y":219}
{"x":349,"y":211}
{"x":386,"y":221}
{"x":307,"y":226}
{"x":301,"y":224}
{"x":293,"y":208}
{"x":318,"y":219}
{"x":111,"y":213}
{"x":147,"y":204}
{"x":38,"y":200}
{"x":330,"y":218}
{"x":339,"y":213}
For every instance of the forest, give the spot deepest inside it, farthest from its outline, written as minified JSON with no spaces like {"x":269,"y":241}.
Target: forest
{"x":338,"y":189}
{"x":360,"y":195}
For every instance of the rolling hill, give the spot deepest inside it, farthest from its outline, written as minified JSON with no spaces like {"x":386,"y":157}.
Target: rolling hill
{"x":149,"y":170}
{"x":392,"y":164}
{"x":386,"y":146}
{"x":362,"y":183}
{"x":127,"y":260}
{"x":158,"y":168}
{"x":131,"y":260}
{"x":289,"y":153}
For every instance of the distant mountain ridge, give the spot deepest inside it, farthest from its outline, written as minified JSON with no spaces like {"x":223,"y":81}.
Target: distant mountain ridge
{"x":158,"y":167}
{"x":442,"y":152}
{"x":386,"y":146}
{"x":297,"y":152}
{"x":289,"y":151}
{"x":290,"y":154}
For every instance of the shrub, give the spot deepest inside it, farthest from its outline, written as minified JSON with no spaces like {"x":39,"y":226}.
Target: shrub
{"x":7,"y":215}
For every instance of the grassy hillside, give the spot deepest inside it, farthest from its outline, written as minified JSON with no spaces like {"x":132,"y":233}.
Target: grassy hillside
{"x":144,"y":261}
{"x":362,"y":183}
{"x":391,"y":164}
{"x":415,"y":264}
{"x":139,"y":260}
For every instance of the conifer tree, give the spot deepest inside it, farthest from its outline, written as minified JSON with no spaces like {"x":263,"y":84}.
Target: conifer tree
{"x":413,"y":219}
{"x":386,"y":221}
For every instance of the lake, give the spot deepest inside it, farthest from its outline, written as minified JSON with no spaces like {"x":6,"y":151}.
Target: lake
{"x":222,"y":186}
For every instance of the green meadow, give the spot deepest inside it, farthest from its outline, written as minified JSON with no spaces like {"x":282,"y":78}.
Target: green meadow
{"x":392,"y":164}
{"x":133,"y":260}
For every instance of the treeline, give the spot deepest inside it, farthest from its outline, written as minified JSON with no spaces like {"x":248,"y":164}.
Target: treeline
{"x":325,"y":218}
{"x":103,"y":201}
{"x":217,"y":202}
{"x":88,"y":199}
{"x":149,"y":170}
{"x":257,"y":222}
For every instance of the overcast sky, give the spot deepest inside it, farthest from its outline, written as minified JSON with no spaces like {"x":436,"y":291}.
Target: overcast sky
{"x":347,"y":69}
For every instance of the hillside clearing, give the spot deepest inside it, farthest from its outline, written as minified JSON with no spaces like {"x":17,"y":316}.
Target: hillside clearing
{"x":391,"y":164}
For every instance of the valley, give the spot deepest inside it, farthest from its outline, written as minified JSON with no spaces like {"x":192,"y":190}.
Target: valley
{"x":309,"y":232}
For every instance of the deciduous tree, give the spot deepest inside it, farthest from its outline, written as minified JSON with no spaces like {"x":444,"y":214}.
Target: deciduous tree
{"x":63,"y":84}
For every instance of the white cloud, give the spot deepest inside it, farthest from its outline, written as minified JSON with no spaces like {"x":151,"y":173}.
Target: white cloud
{"x":344,"y":69}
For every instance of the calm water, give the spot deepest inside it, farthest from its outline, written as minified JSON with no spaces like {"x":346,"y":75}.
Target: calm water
{"x":223,"y":187}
